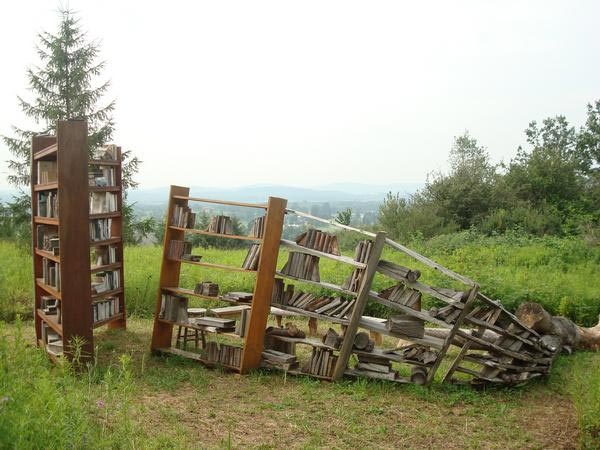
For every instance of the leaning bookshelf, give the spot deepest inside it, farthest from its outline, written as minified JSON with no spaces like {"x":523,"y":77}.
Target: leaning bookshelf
{"x":75,"y":289}
{"x":242,"y":350}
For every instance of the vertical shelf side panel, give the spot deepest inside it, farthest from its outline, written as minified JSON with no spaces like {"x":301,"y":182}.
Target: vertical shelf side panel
{"x":73,"y":216}
{"x":263,"y":289}
{"x":361,"y":301}
{"x":117,"y":230}
{"x":38,"y":143}
{"x":169,"y":271}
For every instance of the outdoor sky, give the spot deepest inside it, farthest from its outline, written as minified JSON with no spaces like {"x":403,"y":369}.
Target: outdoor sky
{"x":309,"y":93}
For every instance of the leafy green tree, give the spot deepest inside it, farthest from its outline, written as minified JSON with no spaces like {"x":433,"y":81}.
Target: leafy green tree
{"x":63,"y":88}
{"x":464,"y":195}
{"x":554,"y":170}
{"x":344,"y":217}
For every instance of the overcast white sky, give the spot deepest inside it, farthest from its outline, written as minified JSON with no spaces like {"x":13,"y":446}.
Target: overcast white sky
{"x":307,"y":93}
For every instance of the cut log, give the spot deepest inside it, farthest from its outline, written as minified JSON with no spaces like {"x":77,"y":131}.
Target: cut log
{"x":571,"y":335}
{"x":361,"y":340}
{"x":332,"y":339}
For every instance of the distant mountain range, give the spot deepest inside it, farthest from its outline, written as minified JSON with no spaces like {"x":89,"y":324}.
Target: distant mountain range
{"x":336,"y":192}
{"x":257,"y":193}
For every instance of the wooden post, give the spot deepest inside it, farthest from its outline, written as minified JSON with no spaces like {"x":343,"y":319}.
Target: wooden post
{"x":361,"y":301}
{"x":74,"y":235}
{"x":169,"y":271}
{"x":263,"y":288}
{"x":472,"y":294}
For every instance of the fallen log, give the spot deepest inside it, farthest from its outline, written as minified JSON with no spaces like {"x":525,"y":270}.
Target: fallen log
{"x":570,"y":336}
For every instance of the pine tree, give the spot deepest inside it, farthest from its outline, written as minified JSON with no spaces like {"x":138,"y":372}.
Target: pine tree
{"x":63,"y":89}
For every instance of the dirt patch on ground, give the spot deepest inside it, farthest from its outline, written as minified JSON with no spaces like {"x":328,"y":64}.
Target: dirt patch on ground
{"x":270,"y":413}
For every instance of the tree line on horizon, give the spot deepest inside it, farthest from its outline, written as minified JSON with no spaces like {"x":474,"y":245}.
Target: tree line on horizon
{"x":551,"y":187}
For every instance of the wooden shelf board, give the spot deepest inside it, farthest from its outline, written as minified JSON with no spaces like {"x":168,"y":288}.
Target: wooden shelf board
{"x":382,"y":329}
{"x":46,"y":220}
{"x":206,"y":328}
{"x":48,"y":255}
{"x":113,"y":266}
{"x":304,"y":312}
{"x":322,"y":284}
{"x":307,"y":341}
{"x":100,"y":323}
{"x":104,"y":162}
{"x":50,"y":320}
{"x":50,"y":150}
{"x":112,"y":240}
{"x":216,"y":266}
{"x":310,"y":251}
{"x":107,"y":215}
{"x":299,"y":372}
{"x":220,"y":202}
{"x":360,"y":373}
{"x":412,"y":312}
{"x":217,"y":235}
{"x":45,"y":187}
{"x":184,"y":291}
{"x":391,"y":357}
{"x":49,"y":289}
{"x":104,"y":189}
{"x":195,"y":356}
{"x":98,"y":297}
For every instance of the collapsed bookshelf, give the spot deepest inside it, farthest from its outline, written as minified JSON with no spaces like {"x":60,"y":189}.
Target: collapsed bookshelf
{"x":76,"y":239}
{"x":490,"y":344}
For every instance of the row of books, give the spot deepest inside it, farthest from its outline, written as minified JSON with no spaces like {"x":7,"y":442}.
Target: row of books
{"x":403,"y":295}
{"x":99,"y":176}
{"x":51,"y":307}
{"x":100,"y":229}
{"x":321,"y":363}
{"x":328,"y":306}
{"x":220,"y":224}
{"x":47,"y":239}
{"x":47,"y":172}
{"x":106,"y":153}
{"x":257,"y":229}
{"x":106,"y":281}
{"x":179,"y":248}
{"x":183,"y":217}
{"x":103,"y":202}
{"x":47,"y":204}
{"x":319,"y":240}
{"x":173,"y":308}
{"x":52,"y":340}
{"x":106,"y":309}
{"x":207,"y":288}
{"x":51,"y":273}
{"x":252,"y":258}
{"x":104,"y":255}
{"x":302,"y":265}
{"x":361,"y":254}
{"x":228,"y":355}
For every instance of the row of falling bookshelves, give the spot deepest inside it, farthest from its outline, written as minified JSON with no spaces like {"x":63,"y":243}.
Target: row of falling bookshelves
{"x":287,"y":283}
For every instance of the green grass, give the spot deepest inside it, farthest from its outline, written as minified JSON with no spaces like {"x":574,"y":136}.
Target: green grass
{"x":168,"y":402}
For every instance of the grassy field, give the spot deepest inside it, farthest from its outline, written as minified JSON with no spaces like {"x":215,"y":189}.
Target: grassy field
{"x":130,"y":399}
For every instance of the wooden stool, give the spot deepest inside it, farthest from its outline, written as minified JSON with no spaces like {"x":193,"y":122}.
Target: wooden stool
{"x":185,"y":334}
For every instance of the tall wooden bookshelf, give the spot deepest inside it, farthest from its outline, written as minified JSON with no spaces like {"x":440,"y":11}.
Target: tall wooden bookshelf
{"x":69,"y":300}
{"x":245,"y":353}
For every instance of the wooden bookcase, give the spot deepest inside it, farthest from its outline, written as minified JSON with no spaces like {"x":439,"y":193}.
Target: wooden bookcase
{"x":246,"y":353}
{"x":65,"y":304}
{"x":462,"y":317}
